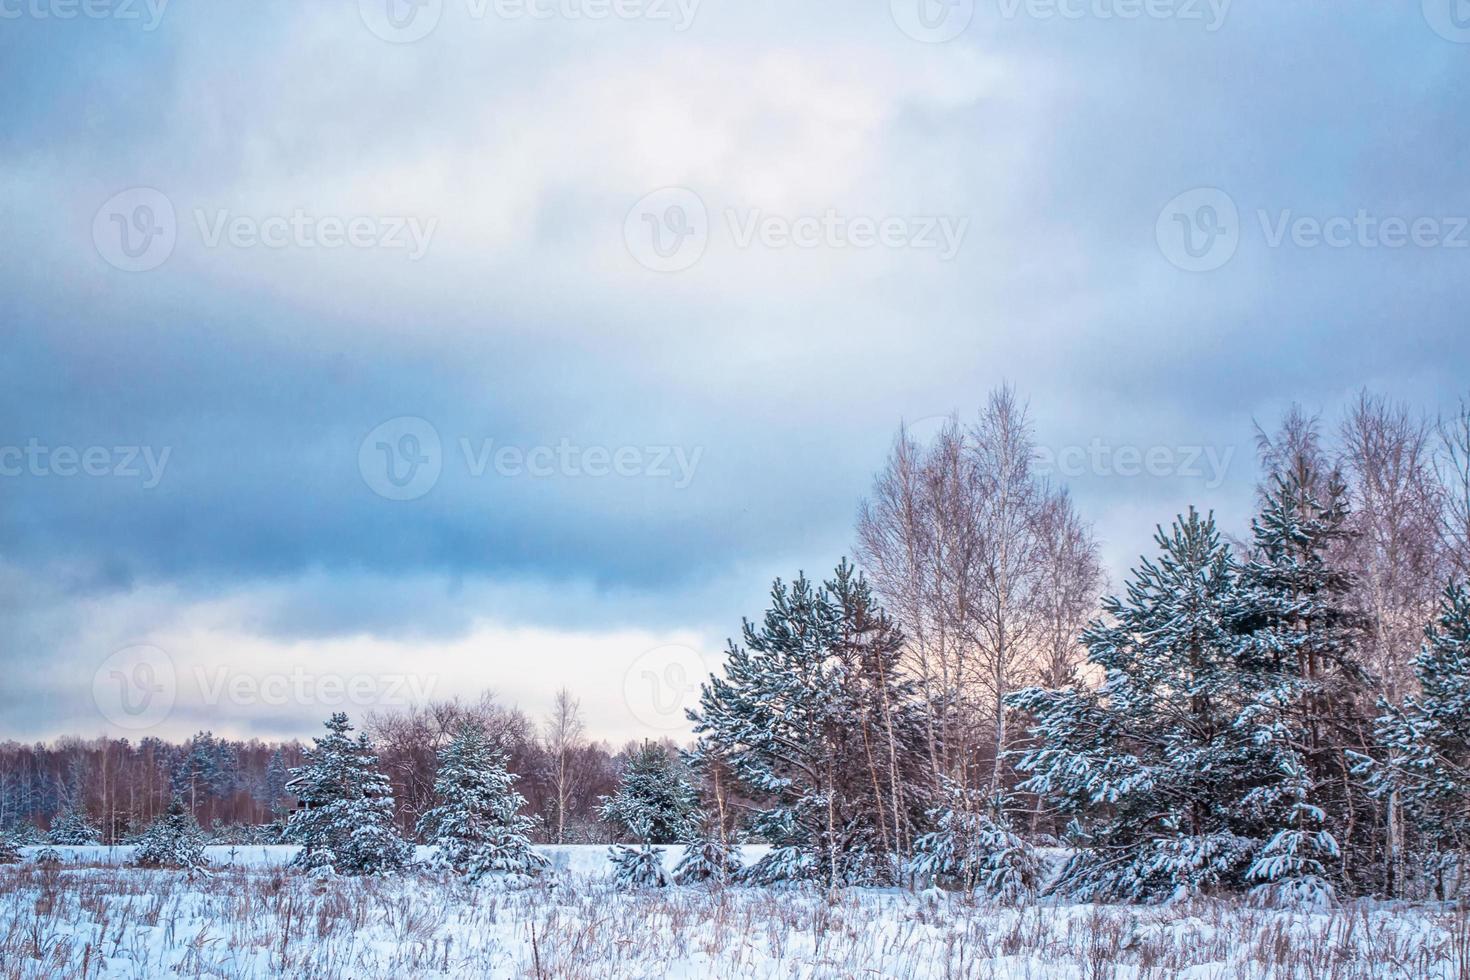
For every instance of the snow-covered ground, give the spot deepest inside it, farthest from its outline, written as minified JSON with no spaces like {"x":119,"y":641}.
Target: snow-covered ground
{"x":249,"y":918}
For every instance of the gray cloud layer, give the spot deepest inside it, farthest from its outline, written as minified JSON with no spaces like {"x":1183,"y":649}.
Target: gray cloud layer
{"x":528,"y":322}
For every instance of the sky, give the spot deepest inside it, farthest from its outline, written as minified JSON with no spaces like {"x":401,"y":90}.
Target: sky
{"x":353,"y":353}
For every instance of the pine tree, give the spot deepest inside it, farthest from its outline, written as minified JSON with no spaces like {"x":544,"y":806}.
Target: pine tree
{"x":971,"y":850}
{"x":174,"y":840}
{"x":1424,"y":759}
{"x":346,"y":824}
{"x":814,"y":720}
{"x":9,"y":849}
{"x":638,"y":867}
{"x":1152,"y":766}
{"x":1299,"y":641}
{"x":276,"y":778}
{"x":708,"y":858}
{"x":477,"y":825}
{"x":653,"y":795}
{"x":73,"y":828}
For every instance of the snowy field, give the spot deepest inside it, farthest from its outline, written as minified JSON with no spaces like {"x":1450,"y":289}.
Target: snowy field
{"x":251,"y":919}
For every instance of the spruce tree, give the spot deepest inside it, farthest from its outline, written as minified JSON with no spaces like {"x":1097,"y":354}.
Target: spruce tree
{"x":1299,"y":646}
{"x":1152,"y":766}
{"x":9,"y":848}
{"x":477,"y":825}
{"x":1424,"y":754}
{"x":346,"y":821}
{"x":174,"y":840}
{"x":73,"y":828}
{"x":653,"y":797}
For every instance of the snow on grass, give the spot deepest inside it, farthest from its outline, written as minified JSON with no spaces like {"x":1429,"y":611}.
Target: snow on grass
{"x":254,"y":919}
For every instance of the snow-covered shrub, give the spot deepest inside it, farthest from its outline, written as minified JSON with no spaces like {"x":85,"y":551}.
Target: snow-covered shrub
{"x":709,"y":859}
{"x":9,"y":849}
{"x":174,"y":840}
{"x":478,"y":827}
{"x":638,"y":867}
{"x":782,"y":865}
{"x":971,"y":850}
{"x":49,"y":857}
{"x":73,"y":829}
{"x":348,"y":807}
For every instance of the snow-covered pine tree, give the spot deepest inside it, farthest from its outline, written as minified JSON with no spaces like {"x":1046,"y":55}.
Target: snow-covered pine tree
{"x":973,"y":849}
{"x":346,"y":819}
{"x":174,"y":840}
{"x":709,"y":858}
{"x":276,"y":779}
{"x":1151,"y":766}
{"x":653,"y":794}
{"x":477,"y":824}
{"x":1298,"y":645}
{"x":1424,"y":744}
{"x":9,"y":849}
{"x":73,"y":828}
{"x":636,"y":868}
{"x":815,"y":722}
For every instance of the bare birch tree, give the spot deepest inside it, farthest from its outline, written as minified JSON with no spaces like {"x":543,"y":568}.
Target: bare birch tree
{"x":565,"y":737}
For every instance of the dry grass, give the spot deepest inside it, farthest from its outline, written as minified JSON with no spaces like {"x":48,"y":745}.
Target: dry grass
{"x":94,"y":922}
